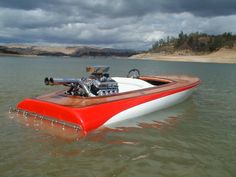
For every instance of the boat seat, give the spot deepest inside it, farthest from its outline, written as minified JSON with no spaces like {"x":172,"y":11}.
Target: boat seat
{"x":130,"y":84}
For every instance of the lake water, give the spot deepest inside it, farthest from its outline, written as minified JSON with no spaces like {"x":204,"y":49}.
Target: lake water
{"x":192,"y":139}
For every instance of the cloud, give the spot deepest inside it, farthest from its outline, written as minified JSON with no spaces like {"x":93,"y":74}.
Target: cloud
{"x":121,"y":8}
{"x":133,"y":24}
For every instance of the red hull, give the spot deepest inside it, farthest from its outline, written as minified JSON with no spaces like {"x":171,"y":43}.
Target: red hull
{"x":92,"y":116}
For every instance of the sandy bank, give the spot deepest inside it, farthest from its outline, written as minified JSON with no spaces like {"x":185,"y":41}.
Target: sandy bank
{"x":221,"y":56}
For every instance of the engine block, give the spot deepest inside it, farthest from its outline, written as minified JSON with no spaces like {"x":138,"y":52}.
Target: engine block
{"x":104,"y":87}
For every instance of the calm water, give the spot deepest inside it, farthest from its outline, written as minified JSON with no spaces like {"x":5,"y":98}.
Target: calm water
{"x":194,"y":138}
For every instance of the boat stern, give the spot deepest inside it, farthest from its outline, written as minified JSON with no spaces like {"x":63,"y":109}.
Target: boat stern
{"x":50,"y":111}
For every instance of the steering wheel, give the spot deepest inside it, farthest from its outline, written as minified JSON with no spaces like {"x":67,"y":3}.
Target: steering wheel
{"x":134,"y":73}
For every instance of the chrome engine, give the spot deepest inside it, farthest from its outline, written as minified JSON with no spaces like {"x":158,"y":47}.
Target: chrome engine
{"x":99,"y":83}
{"x":104,"y":86}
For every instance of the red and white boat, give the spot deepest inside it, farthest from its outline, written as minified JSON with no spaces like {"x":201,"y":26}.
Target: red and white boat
{"x":100,"y":100}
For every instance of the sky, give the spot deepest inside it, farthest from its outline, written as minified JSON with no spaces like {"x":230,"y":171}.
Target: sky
{"x":124,"y":24}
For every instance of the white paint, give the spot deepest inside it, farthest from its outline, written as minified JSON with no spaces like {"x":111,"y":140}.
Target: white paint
{"x":130,"y":84}
{"x":150,"y":106}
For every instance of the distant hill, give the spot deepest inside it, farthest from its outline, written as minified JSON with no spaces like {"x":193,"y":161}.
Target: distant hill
{"x":63,"y":51}
{"x":194,"y":43}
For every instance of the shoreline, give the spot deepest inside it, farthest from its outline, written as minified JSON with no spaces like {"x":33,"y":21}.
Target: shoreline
{"x":221,"y":56}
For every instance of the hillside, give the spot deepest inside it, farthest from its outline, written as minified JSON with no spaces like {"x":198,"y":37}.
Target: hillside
{"x":28,"y":50}
{"x":194,"y":47}
{"x":193,"y":43}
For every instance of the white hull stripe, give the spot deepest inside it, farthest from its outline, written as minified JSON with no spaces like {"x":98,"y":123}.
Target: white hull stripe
{"x":151,"y":106}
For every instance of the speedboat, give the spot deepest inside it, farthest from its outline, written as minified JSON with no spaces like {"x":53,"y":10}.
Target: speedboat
{"x":101,"y":100}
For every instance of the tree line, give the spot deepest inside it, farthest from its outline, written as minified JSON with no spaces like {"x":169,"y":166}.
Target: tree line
{"x":196,"y":42}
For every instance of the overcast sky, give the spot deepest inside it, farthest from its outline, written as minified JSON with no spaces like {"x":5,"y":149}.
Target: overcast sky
{"x":128,"y":24}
